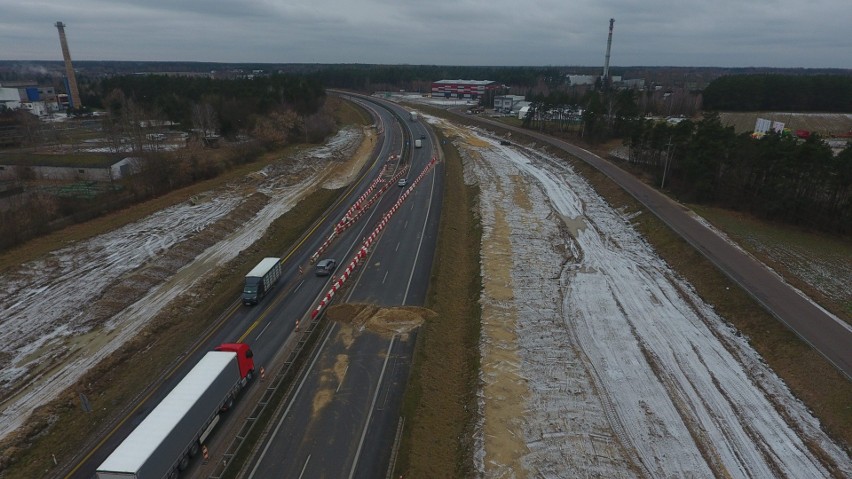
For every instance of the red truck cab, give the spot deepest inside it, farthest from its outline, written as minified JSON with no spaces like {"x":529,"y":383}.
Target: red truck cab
{"x":245,"y":357}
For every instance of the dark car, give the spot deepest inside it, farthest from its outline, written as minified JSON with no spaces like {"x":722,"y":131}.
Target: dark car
{"x":422,"y":136}
{"x":325,"y":267}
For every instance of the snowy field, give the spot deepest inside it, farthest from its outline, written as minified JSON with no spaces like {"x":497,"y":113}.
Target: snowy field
{"x":598,"y":360}
{"x":51,"y":310}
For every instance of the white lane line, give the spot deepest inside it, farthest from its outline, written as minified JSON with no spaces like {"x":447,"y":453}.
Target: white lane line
{"x":257,"y":338}
{"x":341,"y":379}
{"x":299,"y":286}
{"x":372,"y":406}
{"x":295,"y":395}
{"x":385,"y":277}
{"x":422,"y":235}
{"x":305,"y":466}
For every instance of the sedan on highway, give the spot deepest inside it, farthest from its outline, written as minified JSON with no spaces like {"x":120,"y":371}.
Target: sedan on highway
{"x":326,"y":267}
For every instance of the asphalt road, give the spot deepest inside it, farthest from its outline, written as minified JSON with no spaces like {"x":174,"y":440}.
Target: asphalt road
{"x":829,"y":335}
{"x":345,"y":426}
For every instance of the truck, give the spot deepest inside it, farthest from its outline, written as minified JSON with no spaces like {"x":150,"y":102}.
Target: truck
{"x":413,"y":115}
{"x":418,"y":143}
{"x":260,"y":280}
{"x":163,"y":444}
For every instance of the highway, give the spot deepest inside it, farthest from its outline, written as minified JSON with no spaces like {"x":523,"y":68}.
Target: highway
{"x":352,"y":433}
{"x":827,"y":334}
{"x":269,"y":326}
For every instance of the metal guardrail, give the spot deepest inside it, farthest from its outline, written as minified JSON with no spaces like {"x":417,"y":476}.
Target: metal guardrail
{"x":289,"y":367}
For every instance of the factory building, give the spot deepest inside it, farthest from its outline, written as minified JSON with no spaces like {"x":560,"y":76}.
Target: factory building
{"x":507,"y":103}
{"x":39,"y":100}
{"x":465,"y":89}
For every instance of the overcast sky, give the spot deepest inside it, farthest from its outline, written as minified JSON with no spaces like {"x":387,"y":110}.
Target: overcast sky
{"x":734,"y":33}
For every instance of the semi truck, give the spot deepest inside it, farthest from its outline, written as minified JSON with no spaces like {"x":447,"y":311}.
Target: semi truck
{"x":260,"y":280}
{"x":413,"y":115}
{"x":163,"y":444}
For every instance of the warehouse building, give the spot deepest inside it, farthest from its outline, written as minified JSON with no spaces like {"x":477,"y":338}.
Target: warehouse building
{"x":465,"y":89}
{"x":507,"y":103}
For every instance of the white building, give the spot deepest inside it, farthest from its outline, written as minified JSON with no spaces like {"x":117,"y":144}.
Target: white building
{"x":10,"y":98}
{"x":576,"y":80}
{"x":508,"y":102}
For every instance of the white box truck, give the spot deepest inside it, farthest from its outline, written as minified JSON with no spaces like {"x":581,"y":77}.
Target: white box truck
{"x":261,"y":279}
{"x":413,"y":115}
{"x":418,"y":143}
{"x":162,"y":445}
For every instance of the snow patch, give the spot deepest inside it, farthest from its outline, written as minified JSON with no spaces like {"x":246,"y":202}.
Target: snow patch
{"x":628,"y":372}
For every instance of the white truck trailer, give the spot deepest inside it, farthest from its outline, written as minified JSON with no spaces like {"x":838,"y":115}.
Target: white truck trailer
{"x":163,"y":443}
{"x":261,"y":279}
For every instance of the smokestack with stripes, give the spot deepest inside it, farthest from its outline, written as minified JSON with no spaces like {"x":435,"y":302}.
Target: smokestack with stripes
{"x":605,"y":77}
{"x":69,"y":69}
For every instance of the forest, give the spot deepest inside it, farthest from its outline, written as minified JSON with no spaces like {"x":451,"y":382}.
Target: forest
{"x":777,"y":177}
{"x":773,"y":92}
{"x":236,"y":105}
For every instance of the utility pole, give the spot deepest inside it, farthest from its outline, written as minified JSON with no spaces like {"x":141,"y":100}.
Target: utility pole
{"x":666,"y":163}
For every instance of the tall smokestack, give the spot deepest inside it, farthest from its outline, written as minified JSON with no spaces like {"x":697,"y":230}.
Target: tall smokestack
{"x":608,"y":48}
{"x":69,"y":69}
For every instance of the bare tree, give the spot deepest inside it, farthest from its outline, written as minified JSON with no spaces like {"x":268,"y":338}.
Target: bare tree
{"x":204,"y":119}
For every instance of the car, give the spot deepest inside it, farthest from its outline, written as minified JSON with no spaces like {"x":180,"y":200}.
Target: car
{"x":325,"y":267}
{"x":422,"y":136}
{"x":402,"y":182}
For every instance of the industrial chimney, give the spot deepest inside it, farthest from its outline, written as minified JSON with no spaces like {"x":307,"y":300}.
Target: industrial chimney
{"x":69,"y":69}
{"x":605,"y":77}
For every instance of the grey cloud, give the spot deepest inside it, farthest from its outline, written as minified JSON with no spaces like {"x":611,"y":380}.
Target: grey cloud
{"x":782,"y":33}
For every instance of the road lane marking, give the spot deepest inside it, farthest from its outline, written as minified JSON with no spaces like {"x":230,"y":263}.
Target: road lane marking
{"x":385,"y":277}
{"x":305,"y":466}
{"x":422,"y":235}
{"x":256,"y":339}
{"x":292,"y":400}
{"x":342,"y":378}
{"x":372,"y":406}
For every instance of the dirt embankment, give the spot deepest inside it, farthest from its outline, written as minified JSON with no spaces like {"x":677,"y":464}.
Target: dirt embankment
{"x":384,"y":321}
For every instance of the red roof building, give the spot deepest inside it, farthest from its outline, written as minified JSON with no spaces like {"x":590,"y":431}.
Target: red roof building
{"x":471,"y":89}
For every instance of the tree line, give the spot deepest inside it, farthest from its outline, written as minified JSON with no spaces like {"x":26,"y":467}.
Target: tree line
{"x":775,"y":177}
{"x":237,"y":104}
{"x":823,"y":93}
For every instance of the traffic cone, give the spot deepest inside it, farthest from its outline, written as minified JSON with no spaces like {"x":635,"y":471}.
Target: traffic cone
{"x":262,"y":374}
{"x":297,"y":325}
{"x":205,"y":453}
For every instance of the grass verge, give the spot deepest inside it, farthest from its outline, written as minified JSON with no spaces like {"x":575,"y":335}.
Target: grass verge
{"x":795,"y":253}
{"x":440,"y":402}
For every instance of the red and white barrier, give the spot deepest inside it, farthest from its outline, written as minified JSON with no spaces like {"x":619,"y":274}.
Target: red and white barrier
{"x":368,"y":241}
